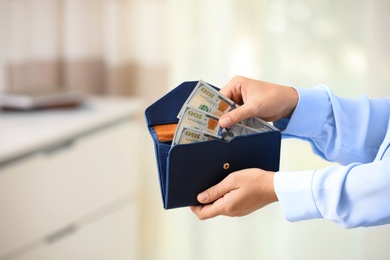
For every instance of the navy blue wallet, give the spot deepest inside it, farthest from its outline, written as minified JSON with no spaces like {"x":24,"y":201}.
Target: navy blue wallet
{"x":185,"y":170}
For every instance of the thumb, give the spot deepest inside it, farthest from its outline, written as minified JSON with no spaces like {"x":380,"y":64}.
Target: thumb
{"x":216,"y":191}
{"x":234,"y":116}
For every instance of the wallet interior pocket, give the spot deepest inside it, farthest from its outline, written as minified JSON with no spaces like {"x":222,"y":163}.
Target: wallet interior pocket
{"x":165,"y":132}
{"x":162,"y":151}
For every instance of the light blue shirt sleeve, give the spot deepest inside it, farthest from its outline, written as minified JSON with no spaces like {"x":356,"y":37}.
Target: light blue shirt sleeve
{"x":353,"y":132}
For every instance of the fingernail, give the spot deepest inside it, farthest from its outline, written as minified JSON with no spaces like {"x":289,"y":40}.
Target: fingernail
{"x":225,"y":121}
{"x":202,"y":197}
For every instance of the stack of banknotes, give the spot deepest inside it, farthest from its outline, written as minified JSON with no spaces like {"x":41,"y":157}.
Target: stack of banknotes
{"x":198,"y":118}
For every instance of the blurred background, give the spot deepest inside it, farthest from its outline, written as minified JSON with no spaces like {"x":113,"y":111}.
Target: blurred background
{"x":130,"y":53}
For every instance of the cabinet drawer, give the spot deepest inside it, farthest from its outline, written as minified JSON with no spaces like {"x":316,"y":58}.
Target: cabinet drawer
{"x":112,"y":237}
{"x":47,"y":191}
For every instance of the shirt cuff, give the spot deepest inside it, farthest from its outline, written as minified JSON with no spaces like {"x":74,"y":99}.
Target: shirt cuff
{"x":294,"y":192}
{"x":310,"y":113}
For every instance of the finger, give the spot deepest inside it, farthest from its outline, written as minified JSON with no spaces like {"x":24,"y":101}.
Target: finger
{"x":217,"y":191}
{"x":195,"y":209}
{"x":234,"y":116}
{"x":233,"y":88}
{"x":227,"y":90}
{"x":208,"y":211}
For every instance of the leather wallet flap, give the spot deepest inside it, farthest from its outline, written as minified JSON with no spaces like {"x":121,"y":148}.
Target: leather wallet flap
{"x":195,"y":167}
{"x":165,"y":110}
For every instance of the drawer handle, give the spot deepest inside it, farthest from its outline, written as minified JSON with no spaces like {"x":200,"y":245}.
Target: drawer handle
{"x":59,"y":234}
{"x":58,"y":147}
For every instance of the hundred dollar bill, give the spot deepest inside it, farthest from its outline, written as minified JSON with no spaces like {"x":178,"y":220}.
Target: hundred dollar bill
{"x":200,"y":120}
{"x":208,"y":124}
{"x":248,"y":126}
{"x":207,"y":98}
{"x":259,"y":124}
{"x":188,"y":136}
{"x":238,"y":130}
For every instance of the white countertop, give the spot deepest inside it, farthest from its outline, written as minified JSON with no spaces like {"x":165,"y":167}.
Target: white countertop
{"x":23,"y":133}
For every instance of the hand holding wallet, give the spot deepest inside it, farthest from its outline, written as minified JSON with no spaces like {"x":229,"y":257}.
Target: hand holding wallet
{"x":185,"y":170}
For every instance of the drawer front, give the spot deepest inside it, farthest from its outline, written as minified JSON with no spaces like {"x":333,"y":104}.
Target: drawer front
{"x":111,"y":237}
{"x":47,"y":191}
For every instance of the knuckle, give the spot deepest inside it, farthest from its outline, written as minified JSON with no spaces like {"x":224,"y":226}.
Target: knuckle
{"x":238,"y":78}
{"x":236,"y":115}
{"x":213,"y":192}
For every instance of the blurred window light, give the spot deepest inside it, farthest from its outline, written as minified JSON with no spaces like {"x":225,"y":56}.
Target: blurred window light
{"x":242,"y":60}
{"x":317,"y":66}
{"x":324,"y":27}
{"x":355,"y":59}
{"x":299,"y":11}
{"x":276,"y":22}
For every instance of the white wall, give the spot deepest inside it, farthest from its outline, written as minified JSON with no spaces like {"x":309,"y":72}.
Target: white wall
{"x":378,"y":42}
{"x":2,"y":45}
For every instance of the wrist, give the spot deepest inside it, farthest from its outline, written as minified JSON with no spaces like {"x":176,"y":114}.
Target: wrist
{"x":292,"y":97}
{"x":272,"y":194}
{"x":268,"y":190}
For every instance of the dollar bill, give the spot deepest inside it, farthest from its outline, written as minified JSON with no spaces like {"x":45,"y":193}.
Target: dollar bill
{"x":200,"y":120}
{"x":188,"y":136}
{"x":208,"y":99}
{"x":258,"y":124}
{"x":201,"y":113}
{"x":238,"y":130}
{"x":206,"y":123}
